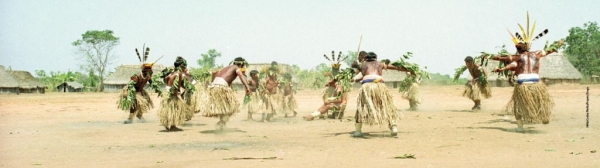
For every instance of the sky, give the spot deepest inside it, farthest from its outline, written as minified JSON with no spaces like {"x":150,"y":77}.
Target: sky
{"x":37,"y":34}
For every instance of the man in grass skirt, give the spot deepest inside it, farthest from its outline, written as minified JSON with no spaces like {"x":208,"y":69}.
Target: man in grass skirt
{"x":174,"y":109}
{"x":134,"y":97}
{"x":530,"y":102}
{"x":289,"y":105}
{"x":374,"y":103}
{"x":478,"y":86}
{"x":254,"y":103}
{"x":222,"y":102}
{"x":272,"y":96}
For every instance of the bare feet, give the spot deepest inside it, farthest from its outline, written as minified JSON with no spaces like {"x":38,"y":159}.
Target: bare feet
{"x":308,"y":118}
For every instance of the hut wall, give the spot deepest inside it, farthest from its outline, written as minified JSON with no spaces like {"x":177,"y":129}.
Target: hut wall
{"x":9,"y":91}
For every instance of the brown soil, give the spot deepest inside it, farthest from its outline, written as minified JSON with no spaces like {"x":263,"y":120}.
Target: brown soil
{"x":86,"y":130}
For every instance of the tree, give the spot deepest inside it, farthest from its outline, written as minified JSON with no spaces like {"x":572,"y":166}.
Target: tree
{"x":583,"y":48}
{"x":96,"y":49}
{"x":207,"y":64}
{"x":208,"y":60}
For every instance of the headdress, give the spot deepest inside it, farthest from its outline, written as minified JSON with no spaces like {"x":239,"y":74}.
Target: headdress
{"x":524,"y":39}
{"x":145,"y":65}
{"x":240,"y":61}
{"x":180,"y":61}
{"x":335,"y":64}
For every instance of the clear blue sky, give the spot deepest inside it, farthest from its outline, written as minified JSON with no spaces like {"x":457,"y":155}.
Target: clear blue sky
{"x":37,"y":34}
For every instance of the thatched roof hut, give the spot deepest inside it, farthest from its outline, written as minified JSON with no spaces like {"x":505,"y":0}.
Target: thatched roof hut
{"x":556,"y":69}
{"x":259,"y":66}
{"x":70,"y":87}
{"x":118,"y":79}
{"x":27,"y":83}
{"x":8,"y":84}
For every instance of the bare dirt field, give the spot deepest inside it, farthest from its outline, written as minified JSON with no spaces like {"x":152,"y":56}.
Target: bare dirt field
{"x":86,"y":130}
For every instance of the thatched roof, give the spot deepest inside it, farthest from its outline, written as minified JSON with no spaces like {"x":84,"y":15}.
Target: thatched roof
{"x":556,"y":66}
{"x":26,"y":80}
{"x":123,"y":73}
{"x":7,"y":80}
{"x":259,"y":67}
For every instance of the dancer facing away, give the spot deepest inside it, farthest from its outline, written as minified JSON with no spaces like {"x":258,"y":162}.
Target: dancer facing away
{"x":134,"y":98}
{"x":173,"y":109}
{"x":478,"y":85}
{"x":530,"y":102}
{"x":374,"y":103}
{"x":222,"y":102}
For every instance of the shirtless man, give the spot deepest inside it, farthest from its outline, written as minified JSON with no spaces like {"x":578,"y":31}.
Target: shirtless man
{"x":289,"y":104}
{"x":477,"y":85}
{"x":173,"y":108}
{"x":255,"y":104}
{"x":272,"y":98}
{"x":222,"y":102}
{"x":375,"y":104}
{"x":337,"y":101}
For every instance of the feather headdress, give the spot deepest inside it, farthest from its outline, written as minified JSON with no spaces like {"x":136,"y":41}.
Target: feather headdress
{"x":526,"y":34}
{"x":145,"y":65}
{"x":335,"y":63}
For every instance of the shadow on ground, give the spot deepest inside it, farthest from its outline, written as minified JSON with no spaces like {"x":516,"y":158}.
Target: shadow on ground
{"x":366,"y":135}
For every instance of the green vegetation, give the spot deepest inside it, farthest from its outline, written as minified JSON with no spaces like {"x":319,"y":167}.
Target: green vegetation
{"x":95,"y":48}
{"x":583,"y":48}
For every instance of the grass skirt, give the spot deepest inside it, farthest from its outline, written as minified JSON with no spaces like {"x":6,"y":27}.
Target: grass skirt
{"x":288,"y":105}
{"x":142,"y":103}
{"x":221,"y":101}
{"x":474,"y":92}
{"x":173,"y":110}
{"x":413,"y":93}
{"x":199,"y":98}
{"x":532,"y":102}
{"x":375,"y":105}
{"x":273,"y":103}
{"x":255,"y":105}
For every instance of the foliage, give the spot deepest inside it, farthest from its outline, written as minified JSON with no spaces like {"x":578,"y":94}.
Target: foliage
{"x":96,"y":49}
{"x":207,"y":65}
{"x":415,"y":72}
{"x":52,"y":79}
{"x":485,"y":56}
{"x":583,"y":48}
{"x":208,"y":60}
{"x":127,"y":101}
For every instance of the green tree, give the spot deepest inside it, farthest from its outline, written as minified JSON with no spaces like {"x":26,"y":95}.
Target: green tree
{"x":208,"y":60}
{"x":207,"y":64}
{"x":583,"y":48}
{"x":96,"y":50}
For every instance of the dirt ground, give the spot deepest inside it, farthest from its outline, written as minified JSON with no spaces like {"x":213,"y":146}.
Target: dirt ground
{"x":86,"y":130}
